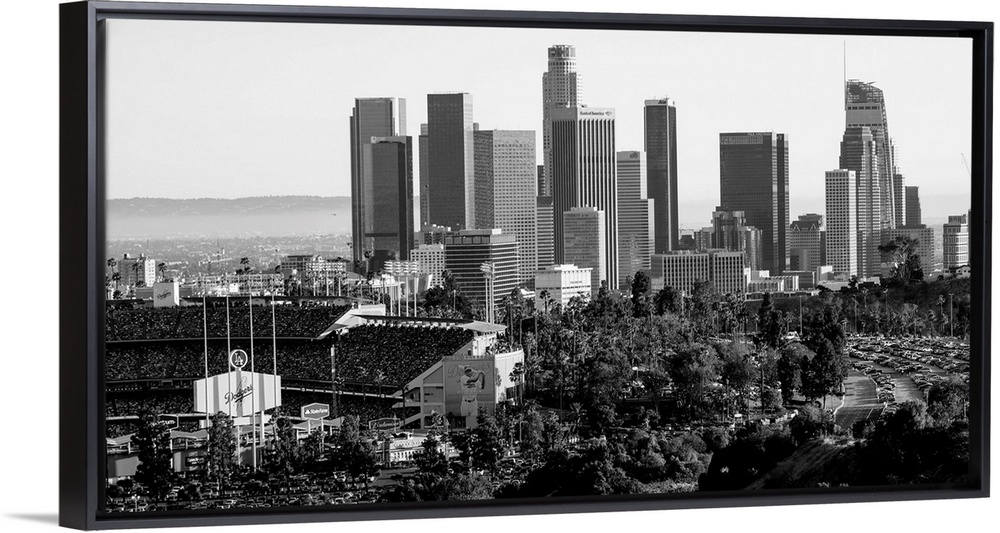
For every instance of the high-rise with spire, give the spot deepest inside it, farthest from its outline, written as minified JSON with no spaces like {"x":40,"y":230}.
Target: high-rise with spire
{"x":864,"y":106}
{"x":560,"y":89}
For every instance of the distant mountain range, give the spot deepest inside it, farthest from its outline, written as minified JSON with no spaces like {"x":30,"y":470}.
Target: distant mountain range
{"x":270,"y":216}
{"x":137,"y":207}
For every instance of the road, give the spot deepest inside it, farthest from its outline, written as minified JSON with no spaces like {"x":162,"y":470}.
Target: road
{"x":860,"y":400}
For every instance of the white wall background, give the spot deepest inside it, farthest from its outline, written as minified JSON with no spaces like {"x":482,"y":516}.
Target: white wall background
{"x":29,"y":341}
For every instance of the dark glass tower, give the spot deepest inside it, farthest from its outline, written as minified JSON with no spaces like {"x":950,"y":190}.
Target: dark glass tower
{"x":660,"y":118}
{"x":754,"y":179}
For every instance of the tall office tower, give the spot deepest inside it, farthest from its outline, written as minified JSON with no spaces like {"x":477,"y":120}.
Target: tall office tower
{"x":505,"y":191}
{"x":730,"y":232}
{"x":450,"y":168}
{"x":754,"y":179}
{"x":425,"y":194}
{"x":913,"y":215}
{"x":467,"y":251}
{"x":584,"y":174}
{"x":842,"y":221}
{"x":865,"y":107}
{"x":859,"y":152}
{"x":388,"y":182}
{"x":956,"y":242}
{"x":682,"y":269}
{"x":635,"y":216}
{"x":540,"y":178}
{"x":585,"y":244}
{"x":660,"y":120}
{"x":371,"y":117}
{"x":805,"y":242}
{"x":546,"y":244}
{"x":560,"y":89}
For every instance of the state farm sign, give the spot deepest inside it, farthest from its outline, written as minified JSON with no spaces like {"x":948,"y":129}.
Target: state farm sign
{"x":316,"y":411}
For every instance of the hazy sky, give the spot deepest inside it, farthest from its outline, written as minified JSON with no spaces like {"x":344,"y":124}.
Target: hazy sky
{"x":226,"y":109}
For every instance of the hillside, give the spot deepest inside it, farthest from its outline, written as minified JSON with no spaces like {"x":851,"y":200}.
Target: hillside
{"x":828,"y":462}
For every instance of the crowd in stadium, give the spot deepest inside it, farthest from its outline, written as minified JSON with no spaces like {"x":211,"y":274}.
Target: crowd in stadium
{"x":297,"y":359}
{"x":371,"y":359}
{"x":174,"y":402}
{"x":290,"y":321}
{"x":394,"y":354}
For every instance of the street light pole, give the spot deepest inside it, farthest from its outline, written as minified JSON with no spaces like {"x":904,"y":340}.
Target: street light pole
{"x":951,"y":313}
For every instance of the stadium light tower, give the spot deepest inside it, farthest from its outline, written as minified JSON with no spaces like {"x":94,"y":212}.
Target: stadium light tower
{"x":489,"y":270}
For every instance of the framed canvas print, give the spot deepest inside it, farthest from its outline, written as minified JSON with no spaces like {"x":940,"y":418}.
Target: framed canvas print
{"x":328,"y":263}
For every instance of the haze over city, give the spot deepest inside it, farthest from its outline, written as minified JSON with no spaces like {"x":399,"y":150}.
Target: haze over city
{"x":200,"y":109}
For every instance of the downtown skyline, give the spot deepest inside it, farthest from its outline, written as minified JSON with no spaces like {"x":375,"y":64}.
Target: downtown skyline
{"x":725,"y":107}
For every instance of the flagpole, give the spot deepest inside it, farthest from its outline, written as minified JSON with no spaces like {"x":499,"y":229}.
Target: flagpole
{"x":204,"y":316}
{"x":253,"y":400}
{"x":229,"y":380}
{"x":274,"y":351}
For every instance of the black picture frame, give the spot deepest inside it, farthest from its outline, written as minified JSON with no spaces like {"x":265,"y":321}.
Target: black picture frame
{"x":81,"y":442}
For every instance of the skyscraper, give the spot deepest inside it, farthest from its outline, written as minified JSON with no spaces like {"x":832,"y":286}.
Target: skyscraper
{"x":842,"y":221}
{"x":635,"y":216}
{"x":864,"y":104}
{"x":388,"y":189}
{"x":913,"y":214}
{"x":505,"y":191}
{"x":660,"y":120}
{"x":805,"y":243}
{"x":546,"y":244}
{"x":560,"y":89}
{"x":956,"y":242}
{"x":371,"y":117}
{"x":584,"y":243}
{"x":858,"y":152}
{"x":754,"y":179}
{"x":731,"y":232}
{"x":584,"y":174}
{"x":450,"y":167}
{"x":424,"y":173}
{"x":467,"y":251}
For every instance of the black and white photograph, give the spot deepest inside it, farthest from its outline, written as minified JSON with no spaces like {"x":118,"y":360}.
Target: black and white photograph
{"x":396,"y":265}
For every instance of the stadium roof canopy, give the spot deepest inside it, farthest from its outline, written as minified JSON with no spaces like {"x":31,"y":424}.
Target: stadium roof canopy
{"x":461,"y":323}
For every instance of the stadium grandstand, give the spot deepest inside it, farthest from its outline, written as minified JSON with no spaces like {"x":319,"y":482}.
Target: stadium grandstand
{"x":326,"y":350}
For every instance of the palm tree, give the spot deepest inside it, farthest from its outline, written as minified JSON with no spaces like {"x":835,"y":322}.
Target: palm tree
{"x":161,"y":269}
{"x":135,"y":271}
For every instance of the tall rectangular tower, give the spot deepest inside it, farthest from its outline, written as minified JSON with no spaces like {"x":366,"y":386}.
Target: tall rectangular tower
{"x":913,"y":214}
{"x":635,"y":215}
{"x":388,"y":178}
{"x":584,"y":243}
{"x":371,"y":117}
{"x":805,"y":242}
{"x":754,"y":179}
{"x":584,"y":174}
{"x":859,"y":152}
{"x":660,"y":121}
{"x":546,"y":246}
{"x":560,"y":89}
{"x":842,"y":221}
{"x":450,"y":160}
{"x":505,"y":191}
